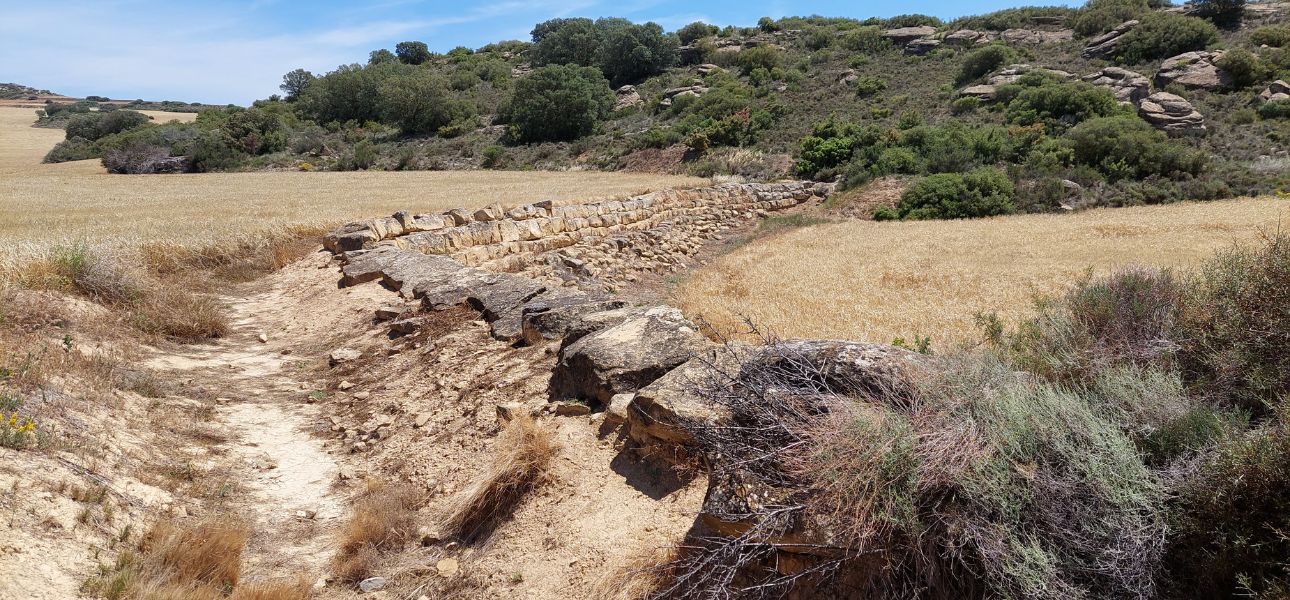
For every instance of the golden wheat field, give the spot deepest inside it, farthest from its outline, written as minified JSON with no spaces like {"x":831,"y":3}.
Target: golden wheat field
{"x":872,"y":281}
{"x":42,"y":205}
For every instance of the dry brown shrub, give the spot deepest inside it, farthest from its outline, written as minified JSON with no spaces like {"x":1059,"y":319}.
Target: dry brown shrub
{"x":239,"y":258}
{"x":171,"y":310}
{"x":641,"y":575}
{"x":384,"y":519}
{"x":297,"y":589}
{"x":522,"y":454}
{"x":207,"y":553}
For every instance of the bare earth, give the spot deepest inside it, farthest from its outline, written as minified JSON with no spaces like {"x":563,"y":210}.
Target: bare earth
{"x":872,"y":281}
{"x":42,"y":204}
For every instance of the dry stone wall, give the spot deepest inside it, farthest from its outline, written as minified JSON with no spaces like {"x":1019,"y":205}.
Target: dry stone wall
{"x":508,"y":239}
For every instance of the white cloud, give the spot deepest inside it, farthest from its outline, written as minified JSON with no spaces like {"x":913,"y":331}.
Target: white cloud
{"x":211,"y":53}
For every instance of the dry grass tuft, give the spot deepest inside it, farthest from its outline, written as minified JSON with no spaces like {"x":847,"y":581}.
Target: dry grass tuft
{"x":298,"y":589}
{"x":384,"y":519}
{"x":522,"y":453}
{"x":640,"y":575}
{"x":209,"y":553}
{"x":875,"y":282}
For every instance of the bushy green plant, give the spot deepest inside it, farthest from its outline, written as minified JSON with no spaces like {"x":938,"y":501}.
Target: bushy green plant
{"x":1244,"y":67}
{"x":95,"y":125}
{"x":1126,"y":146}
{"x":912,"y":20}
{"x":767,"y":25}
{"x":695,"y":31}
{"x":420,"y":102}
{"x":558,"y":102}
{"x":868,"y":85}
{"x":1061,"y":104}
{"x":984,"y":60}
{"x":1275,"y":36}
{"x":628,"y":53}
{"x":766,"y":57}
{"x":980,"y":193}
{"x":865,"y":40}
{"x":1165,"y":34}
{"x":1276,"y":109}
{"x":1100,"y":16}
{"x":297,"y":81}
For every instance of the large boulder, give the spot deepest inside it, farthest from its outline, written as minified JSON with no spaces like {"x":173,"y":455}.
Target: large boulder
{"x":1013,"y":73}
{"x":662,"y":413}
{"x":1171,"y":113}
{"x":565,"y":318}
{"x":1128,"y":86}
{"x":922,"y":46}
{"x":964,"y":38}
{"x":625,"y":357}
{"x":1108,"y":43}
{"x":627,"y":97}
{"x":1193,"y":70}
{"x":983,"y":92}
{"x":904,"y":35}
{"x":1277,"y":90}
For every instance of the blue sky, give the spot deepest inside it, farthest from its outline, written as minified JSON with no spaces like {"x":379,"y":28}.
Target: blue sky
{"x":236,"y":51}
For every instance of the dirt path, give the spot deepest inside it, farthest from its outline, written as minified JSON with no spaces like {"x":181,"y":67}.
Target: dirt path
{"x":263,"y":406}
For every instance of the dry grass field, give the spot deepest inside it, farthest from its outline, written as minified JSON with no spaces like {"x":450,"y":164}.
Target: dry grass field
{"x":872,"y":281}
{"x":41,"y":205}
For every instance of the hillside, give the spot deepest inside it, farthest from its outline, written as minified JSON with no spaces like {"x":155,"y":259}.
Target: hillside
{"x":1053,"y":99}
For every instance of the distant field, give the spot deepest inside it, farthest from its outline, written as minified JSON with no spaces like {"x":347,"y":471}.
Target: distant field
{"x":873,"y":281}
{"x":42,"y":204}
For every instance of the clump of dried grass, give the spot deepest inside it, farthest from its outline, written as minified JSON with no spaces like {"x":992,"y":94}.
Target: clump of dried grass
{"x":640,"y":575}
{"x":522,"y":454}
{"x":239,"y":258}
{"x":177,"y":561}
{"x":384,"y":519}
{"x":297,"y":589}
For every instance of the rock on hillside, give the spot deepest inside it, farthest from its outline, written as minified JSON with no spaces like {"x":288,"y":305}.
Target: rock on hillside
{"x":1129,"y":87}
{"x":1171,"y":113}
{"x":1277,"y":90}
{"x":1193,"y":70}
{"x":1108,"y":43}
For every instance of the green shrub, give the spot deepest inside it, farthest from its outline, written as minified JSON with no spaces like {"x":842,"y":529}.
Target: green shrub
{"x":1239,"y":326}
{"x":1100,"y":16}
{"x":1125,"y":146}
{"x":766,"y":57}
{"x":565,"y":41}
{"x":1244,"y":67}
{"x":558,"y":102}
{"x":979,"y":193}
{"x":493,"y":157}
{"x":1224,"y":12}
{"x":913,"y":20}
{"x":95,"y":125}
{"x":1062,"y":104}
{"x":984,"y":60}
{"x":965,"y":105}
{"x":767,"y":25}
{"x":695,"y":31}
{"x":1165,"y":34}
{"x":1276,"y":109}
{"x":1275,"y":36}
{"x":868,"y":85}
{"x":1230,"y":521}
{"x":1013,"y":18}
{"x":420,"y":102}
{"x":865,"y":40}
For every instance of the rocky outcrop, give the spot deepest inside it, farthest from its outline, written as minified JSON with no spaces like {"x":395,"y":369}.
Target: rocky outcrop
{"x":1171,"y":113}
{"x":627,"y":97}
{"x":1193,"y":70}
{"x":1128,"y":86}
{"x":922,"y":46}
{"x":625,"y":357}
{"x":1033,"y":37}
{"x":965,"y":38}
{"x":567,"y":318}
{"x":904,"y":35}
{"x":670,"y":95}
{"x":1108,"y":43}
{"x":1277,"y":90}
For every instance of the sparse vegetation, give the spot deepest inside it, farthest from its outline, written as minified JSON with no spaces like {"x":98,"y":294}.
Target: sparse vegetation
{"x":383,"y":520}
{"x":522,"y":453}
